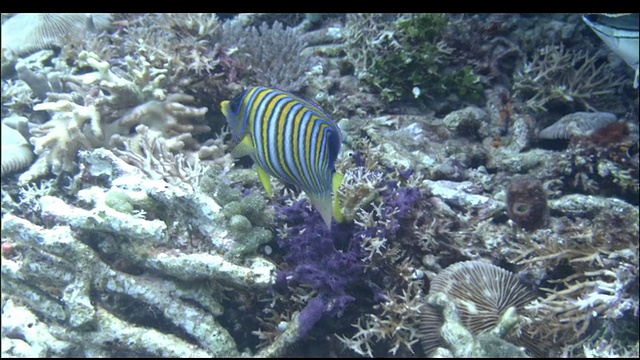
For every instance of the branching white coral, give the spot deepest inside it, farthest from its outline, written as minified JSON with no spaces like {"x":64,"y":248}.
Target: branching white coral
{"x":398,"y":323}
{"x":65,"y":133}
{"x":149,"y":152}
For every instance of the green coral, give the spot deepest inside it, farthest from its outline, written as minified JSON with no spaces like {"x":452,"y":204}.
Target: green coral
{"x":248,"y":216}
{"x":244,"y":219}
{"x":413,"y":57}
{"x":119,"y":201}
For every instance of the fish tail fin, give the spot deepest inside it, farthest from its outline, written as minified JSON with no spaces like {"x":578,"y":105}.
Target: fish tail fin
{"x":324,"y":206}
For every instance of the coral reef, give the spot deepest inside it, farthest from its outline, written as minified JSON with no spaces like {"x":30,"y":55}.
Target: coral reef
{"x":75,"y":126}
{"x":595,"y":276}
{"x":128,"y":243}
{"x":409,"y":59}
{"x":134,"y":233}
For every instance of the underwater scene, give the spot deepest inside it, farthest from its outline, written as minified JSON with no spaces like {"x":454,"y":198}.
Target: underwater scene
{"x":320,"y":185}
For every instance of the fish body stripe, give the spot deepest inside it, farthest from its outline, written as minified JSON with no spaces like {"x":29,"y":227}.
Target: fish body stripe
{"x":291,"y":137}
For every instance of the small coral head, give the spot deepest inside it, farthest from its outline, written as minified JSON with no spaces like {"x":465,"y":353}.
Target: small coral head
{"x":290,"y":139}
{"x":527,"y":202}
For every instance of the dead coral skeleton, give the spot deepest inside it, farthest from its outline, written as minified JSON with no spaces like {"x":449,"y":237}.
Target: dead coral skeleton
{"x":601,"y":252}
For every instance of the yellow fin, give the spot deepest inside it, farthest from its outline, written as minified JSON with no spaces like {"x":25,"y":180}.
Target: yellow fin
{"x":245,"y":147}
{"x":224,"y":106}
{"x":265,"y":179}
{"x":336,"y":182}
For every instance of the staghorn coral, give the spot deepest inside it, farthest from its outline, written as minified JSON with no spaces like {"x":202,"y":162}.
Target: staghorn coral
{"x":149,"y":152}
{"x":363,"y":35}
{"x":398,"y":323}
{"x":588,"y":273}
{"x":182,"y":43}
{"x":556,"y":74}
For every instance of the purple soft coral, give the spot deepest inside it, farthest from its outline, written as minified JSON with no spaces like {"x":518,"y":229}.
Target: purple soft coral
{"x":332,"y":261}
{"x":328,"y":260}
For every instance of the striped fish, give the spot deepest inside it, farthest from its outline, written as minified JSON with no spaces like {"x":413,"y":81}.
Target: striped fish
{"x":290,"y":139}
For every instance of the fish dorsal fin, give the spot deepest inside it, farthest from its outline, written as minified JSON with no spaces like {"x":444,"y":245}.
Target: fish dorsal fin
{"x":244,"y":148}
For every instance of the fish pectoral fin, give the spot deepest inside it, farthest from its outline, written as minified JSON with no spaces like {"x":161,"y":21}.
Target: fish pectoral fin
{"x":265,"y":179}
{"x":244,"y":148}
{"x":336,"y":182}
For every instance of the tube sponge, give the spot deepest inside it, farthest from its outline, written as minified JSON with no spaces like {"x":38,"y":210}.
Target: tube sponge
{"x":527,"y":202}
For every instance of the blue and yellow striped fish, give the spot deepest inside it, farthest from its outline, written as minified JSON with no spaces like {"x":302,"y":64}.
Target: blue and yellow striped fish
{"x":291,"y":139}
